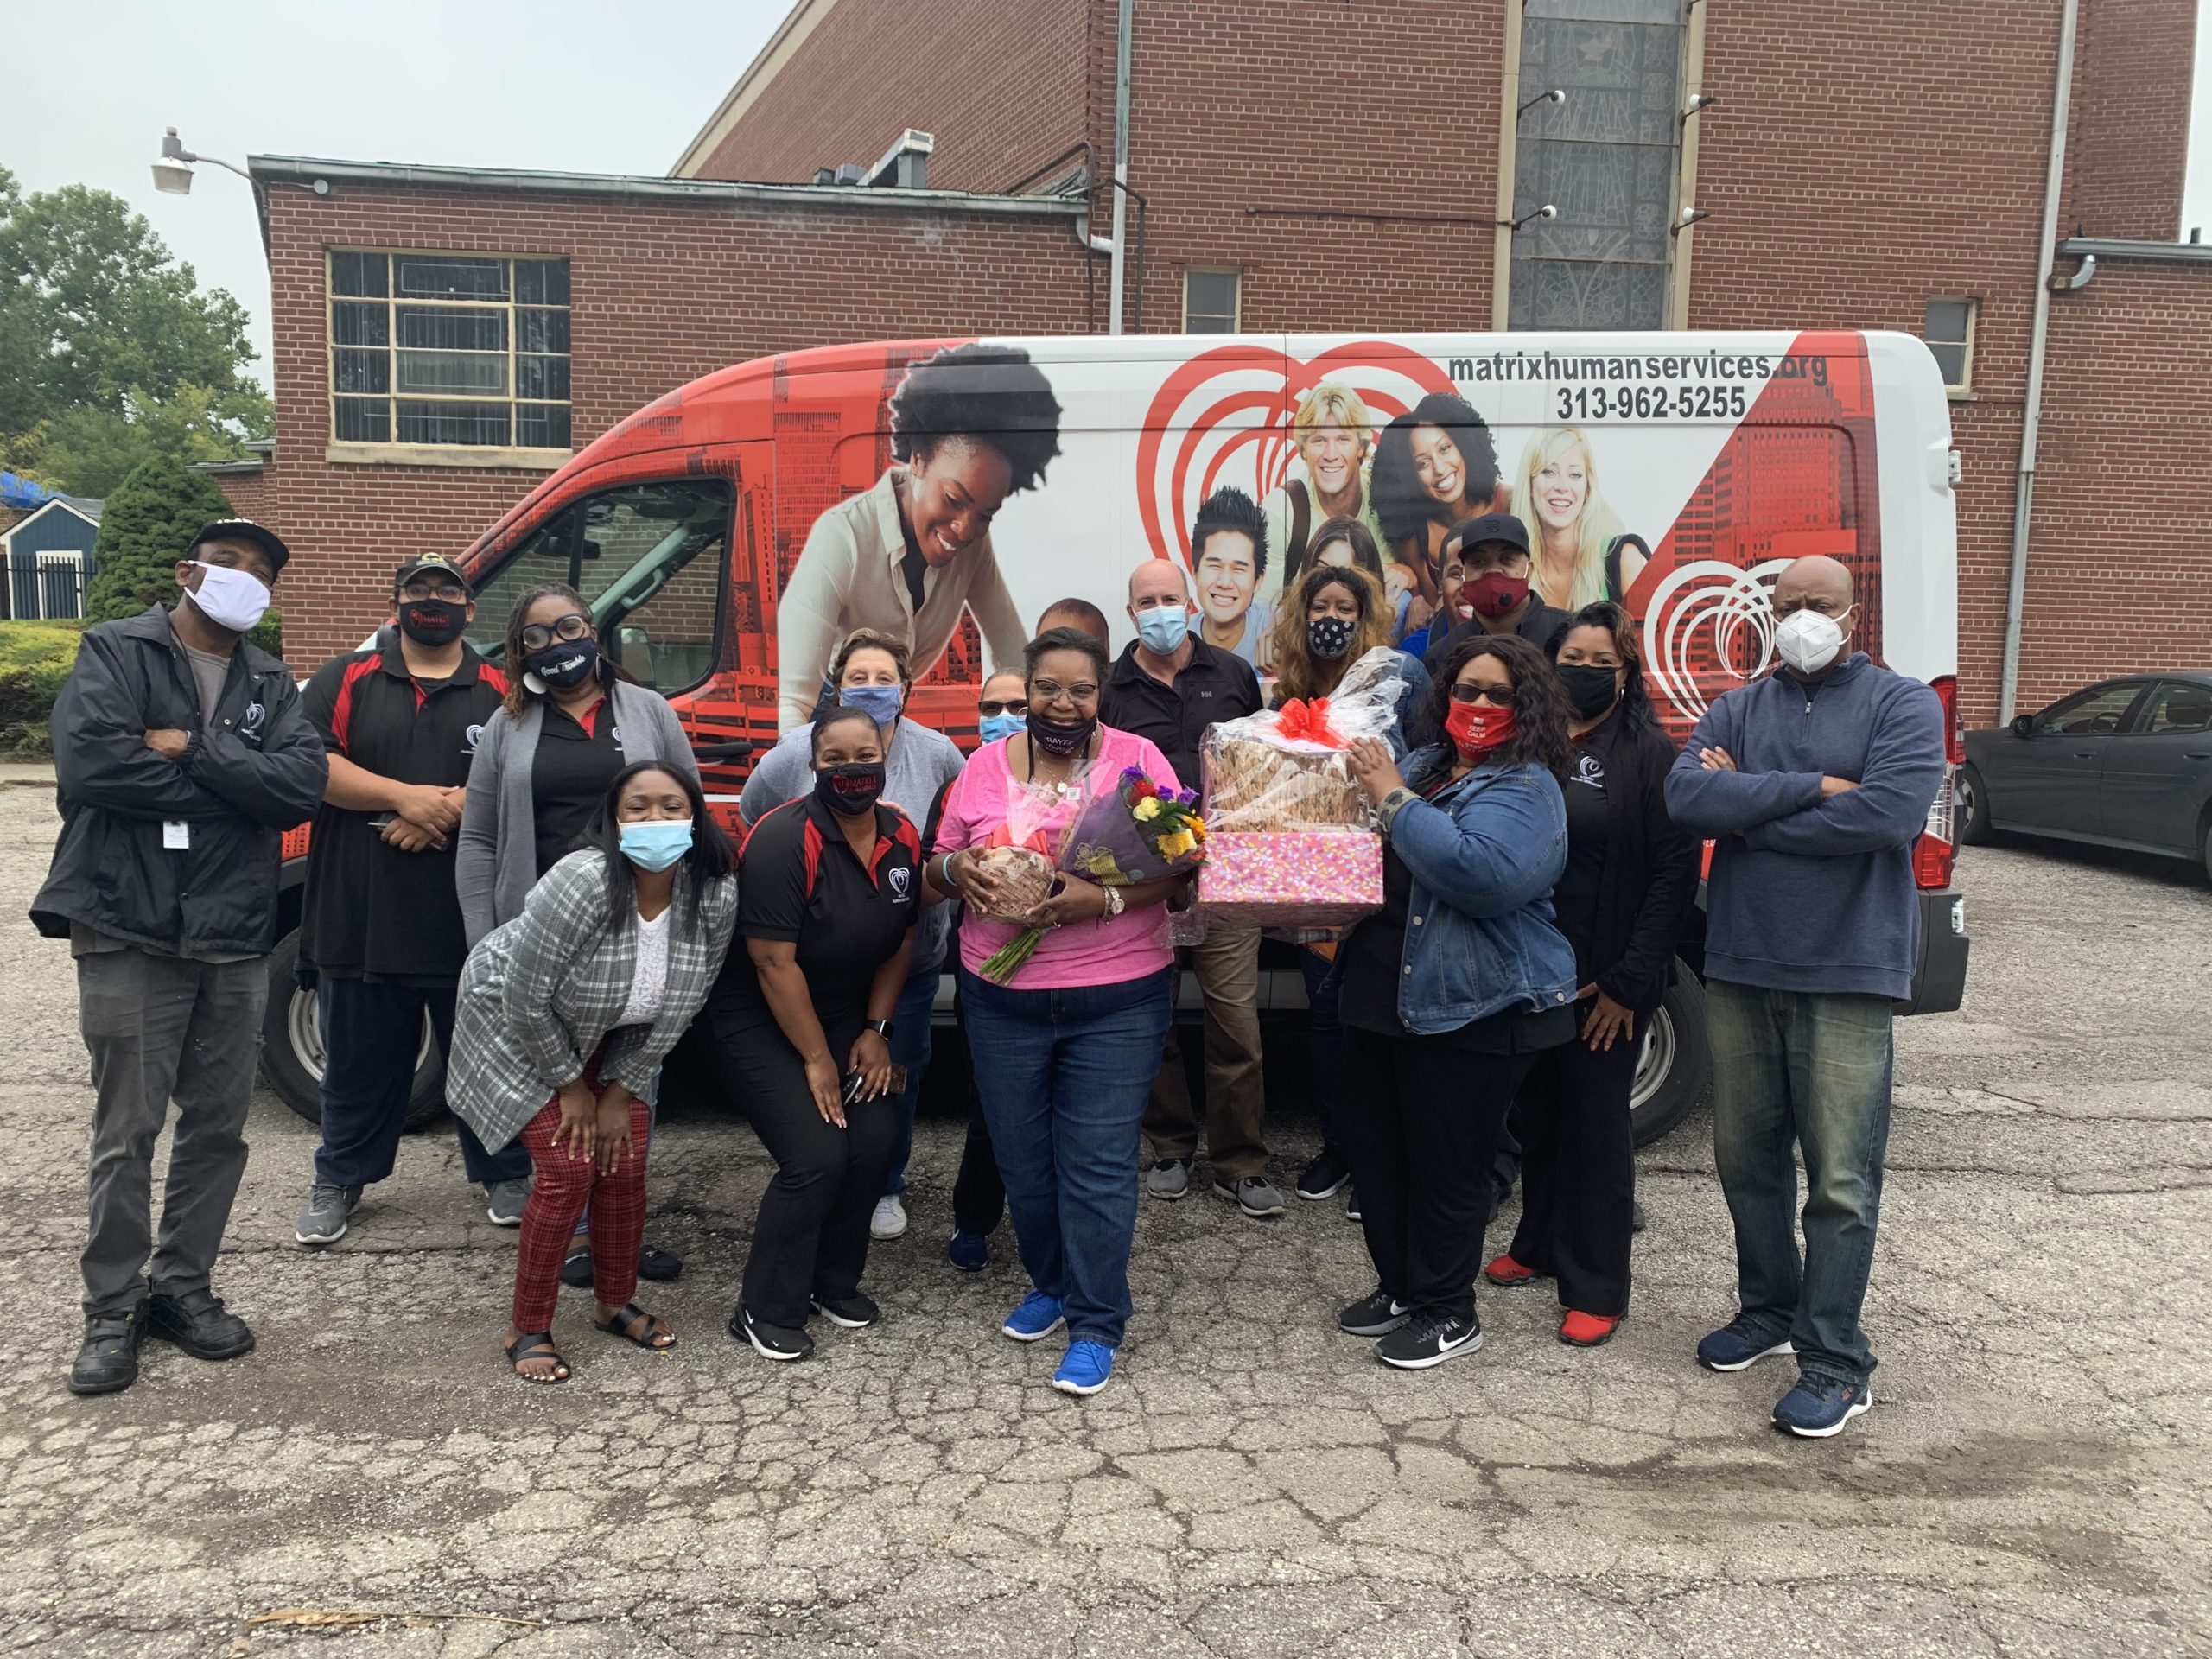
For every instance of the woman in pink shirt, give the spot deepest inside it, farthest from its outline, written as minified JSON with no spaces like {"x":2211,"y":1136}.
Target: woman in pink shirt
{"x":1063,"y":1057}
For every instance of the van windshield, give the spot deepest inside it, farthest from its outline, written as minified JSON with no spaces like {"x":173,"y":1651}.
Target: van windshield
{"x":649,"y":560}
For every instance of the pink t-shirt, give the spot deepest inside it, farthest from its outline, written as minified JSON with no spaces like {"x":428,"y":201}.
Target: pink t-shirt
{"x":1108,"y":951}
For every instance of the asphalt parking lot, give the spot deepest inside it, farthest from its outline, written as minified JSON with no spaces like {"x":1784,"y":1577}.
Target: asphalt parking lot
{"x":2032,"y":1481}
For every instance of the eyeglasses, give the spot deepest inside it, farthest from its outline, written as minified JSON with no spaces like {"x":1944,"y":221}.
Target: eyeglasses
{"x":537,"y":635}
{"x":1014,"y":706}
{"x":1498,"y":696}
{"x":451,"y":591}
{"x":1045,"y":691}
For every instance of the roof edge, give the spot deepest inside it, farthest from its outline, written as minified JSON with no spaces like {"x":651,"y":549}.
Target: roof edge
{"x":782,"y":47}
{"x":2181,"y":253}
{"x":306,"y":168}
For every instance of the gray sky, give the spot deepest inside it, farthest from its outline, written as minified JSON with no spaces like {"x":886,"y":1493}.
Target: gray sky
{"x":556,"y":84}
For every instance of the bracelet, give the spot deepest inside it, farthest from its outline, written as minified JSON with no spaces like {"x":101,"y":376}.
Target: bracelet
{"x":945,"y":871}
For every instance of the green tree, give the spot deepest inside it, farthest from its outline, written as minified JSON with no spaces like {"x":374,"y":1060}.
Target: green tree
{"x":148,"y":524}
{"x":110,"y":352}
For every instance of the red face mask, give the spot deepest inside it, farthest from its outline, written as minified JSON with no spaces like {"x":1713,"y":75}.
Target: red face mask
{"x":1476,"y":729}
{"x":1493,"y":594}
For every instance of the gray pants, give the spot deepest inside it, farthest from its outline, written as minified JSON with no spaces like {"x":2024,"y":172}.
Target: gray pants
{"x":161,"y":1028}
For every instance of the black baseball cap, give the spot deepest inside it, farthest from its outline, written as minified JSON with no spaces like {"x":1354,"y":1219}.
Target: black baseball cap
{"x":437,"y":562}
{"x":242,"y":529}
{"x":1490,"y":527}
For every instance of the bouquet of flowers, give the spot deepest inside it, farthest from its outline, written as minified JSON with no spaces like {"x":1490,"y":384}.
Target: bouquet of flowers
{"x":1134,"y":833}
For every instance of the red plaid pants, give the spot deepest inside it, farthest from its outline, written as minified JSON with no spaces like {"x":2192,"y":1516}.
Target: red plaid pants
{"x":564,"y":1186}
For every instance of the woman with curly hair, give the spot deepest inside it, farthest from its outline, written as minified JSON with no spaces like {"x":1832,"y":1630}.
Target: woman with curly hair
{"x":1434,"y":467}
{"x":969,"y":427}
{"x":1454,"y":988}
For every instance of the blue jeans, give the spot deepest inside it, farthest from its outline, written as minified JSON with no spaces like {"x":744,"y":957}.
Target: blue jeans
{"x":910,"y":1048}
{"x":371,"y":1033}
{"x":1064,"y":1076}
{"x":1325,"y":1035}
{"x":1796,"y":1070}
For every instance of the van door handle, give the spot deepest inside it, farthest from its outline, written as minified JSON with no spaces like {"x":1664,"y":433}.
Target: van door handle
{"x":713,"y":754}
{"x":2198,"y":755}
{"x":2085,"y":754}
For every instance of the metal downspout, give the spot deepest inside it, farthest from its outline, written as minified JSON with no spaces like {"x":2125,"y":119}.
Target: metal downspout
{"x":1121,"y":245}
{"x":2031,"y":417}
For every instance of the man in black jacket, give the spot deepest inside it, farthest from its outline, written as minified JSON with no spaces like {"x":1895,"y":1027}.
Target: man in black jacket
{"x":181,"y":756}
{"x":1493,"y":555}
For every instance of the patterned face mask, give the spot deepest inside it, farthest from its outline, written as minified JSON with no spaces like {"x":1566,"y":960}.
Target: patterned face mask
{"x":1328,"y":637}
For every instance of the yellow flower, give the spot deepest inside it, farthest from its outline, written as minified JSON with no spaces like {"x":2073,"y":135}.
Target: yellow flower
{"x":1176,"y":845}
{"x":1147,"y":809}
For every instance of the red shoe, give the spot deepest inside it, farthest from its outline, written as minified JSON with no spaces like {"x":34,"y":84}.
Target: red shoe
{"x":1588,"y":1329}
{"x":1503,"y":1271}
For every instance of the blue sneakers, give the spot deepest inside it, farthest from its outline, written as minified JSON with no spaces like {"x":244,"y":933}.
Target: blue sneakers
{"x":1038,"y":1317}
{"x":1087,"y":1366}
{"x":1820,"y":1406}
{"x":1741,"y":1343}
{"x":969,"y":1252}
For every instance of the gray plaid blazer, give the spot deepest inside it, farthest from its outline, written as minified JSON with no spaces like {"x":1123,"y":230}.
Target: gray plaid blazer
{"x":539,"y":994}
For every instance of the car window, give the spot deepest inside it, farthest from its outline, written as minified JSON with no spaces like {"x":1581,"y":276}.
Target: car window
{"x":2178,"y":706}
{"x":2101,"y":708}
{"x":649,"y":560}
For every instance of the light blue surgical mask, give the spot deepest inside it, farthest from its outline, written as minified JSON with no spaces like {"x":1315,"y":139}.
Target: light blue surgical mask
{"x":1163,"y":629}
{"x":991,"y":728}
{"x":656,"y":843}
{"x":878,"y":702}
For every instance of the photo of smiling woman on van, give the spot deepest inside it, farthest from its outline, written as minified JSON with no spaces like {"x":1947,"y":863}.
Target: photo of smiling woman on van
{"x":1581,"y":554}
{"x":1434,"y":467}
{"x":970,"y":426}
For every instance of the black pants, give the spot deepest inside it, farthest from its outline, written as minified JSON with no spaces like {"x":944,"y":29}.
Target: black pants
{"x":811,"y":1236}
{"x":1577,"y":1172}
{"x":1420,"y":1134}
{"x":978,"y":1194}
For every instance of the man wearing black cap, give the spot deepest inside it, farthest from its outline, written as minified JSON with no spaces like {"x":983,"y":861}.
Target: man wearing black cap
{"x":1494,"y":596}
{"x":181,"y":756}
{"x":380,"y":925}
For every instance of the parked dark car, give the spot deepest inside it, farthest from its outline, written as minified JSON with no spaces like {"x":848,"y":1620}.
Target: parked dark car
{"x":2127,"y":763}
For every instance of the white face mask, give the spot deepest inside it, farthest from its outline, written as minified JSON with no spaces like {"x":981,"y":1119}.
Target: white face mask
{"x":1808,"y":642}
{"x":230,"y":598}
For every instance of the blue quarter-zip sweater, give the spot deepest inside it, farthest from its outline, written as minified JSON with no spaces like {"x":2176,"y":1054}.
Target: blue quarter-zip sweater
{"x":1810,"y":893}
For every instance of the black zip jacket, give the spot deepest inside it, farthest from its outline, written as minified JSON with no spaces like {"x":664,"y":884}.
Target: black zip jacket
{"x":256,"y":772}
{"x":1648,"y":885}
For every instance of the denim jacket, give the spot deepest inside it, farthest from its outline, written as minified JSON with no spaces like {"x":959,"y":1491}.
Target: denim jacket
{"x":1484,"y":855}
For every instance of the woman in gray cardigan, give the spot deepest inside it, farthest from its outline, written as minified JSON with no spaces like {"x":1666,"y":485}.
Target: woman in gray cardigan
{"x":547,"y":756}
{"x":563,"y":1017}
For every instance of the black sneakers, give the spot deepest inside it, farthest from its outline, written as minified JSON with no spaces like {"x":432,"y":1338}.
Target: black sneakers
{"x":856,"y":1312}
{"x":1372,"y":1316}
{"x":1429,"y":1339}
{"x":1325,"y":1177}
{"x":108,"y":1363}
{"x":198,"y":1323}
{"x":777,"y":1342}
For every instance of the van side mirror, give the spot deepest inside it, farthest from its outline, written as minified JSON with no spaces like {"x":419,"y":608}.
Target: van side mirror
{"x":2023,"y":725}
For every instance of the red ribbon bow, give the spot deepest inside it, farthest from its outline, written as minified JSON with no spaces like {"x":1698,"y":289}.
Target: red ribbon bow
{"x":1308,"y":722}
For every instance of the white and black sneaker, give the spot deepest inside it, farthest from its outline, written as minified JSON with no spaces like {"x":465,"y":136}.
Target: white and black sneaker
{"x":1429,"y":1339}
{"x":1373,"y":1316}
{"x":777,"y":1342}
{"x":856,"y":1312}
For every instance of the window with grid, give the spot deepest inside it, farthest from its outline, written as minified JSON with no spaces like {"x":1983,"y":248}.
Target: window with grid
{"x":1210,"y":300}
{"x":455,"y":349}
{"x":1947,"y":326}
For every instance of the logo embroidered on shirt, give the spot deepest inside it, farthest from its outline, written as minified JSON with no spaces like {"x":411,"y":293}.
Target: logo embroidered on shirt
{"x":471,"y":737}
{"x":1590,"y":769}
{"x":256,"y":716}
{"x":901,"y":876}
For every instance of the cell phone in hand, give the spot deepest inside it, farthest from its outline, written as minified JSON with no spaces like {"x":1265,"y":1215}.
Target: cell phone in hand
{"x":855,"y":1081}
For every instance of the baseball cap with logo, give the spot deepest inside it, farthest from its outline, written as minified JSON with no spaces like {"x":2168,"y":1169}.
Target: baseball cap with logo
{"x":429,"y":563}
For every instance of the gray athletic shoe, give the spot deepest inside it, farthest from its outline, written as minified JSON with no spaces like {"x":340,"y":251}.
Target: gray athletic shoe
{"x":322,"y":1218}
{"x":1254,"y":1195}
{"x":503,"y":1201}
{"x":1169,"y":1179}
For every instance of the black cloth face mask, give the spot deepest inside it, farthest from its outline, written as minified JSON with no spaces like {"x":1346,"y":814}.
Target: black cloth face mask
{"x":565,"y":663}
{"x":433,"y":621}
{"x":1328,"y":637}
{"x":1589,"y":687}
{"x":852,"y":788}
{"x":1061,"y":738}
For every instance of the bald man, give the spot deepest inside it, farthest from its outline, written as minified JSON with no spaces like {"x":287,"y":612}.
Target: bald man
{"x":1169,"y":685}
{"x":1813,"y":783}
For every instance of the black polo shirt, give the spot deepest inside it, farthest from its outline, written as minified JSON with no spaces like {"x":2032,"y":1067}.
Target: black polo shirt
{"x":1537,"y":625}
{"x":1214,"y":686}
{"x":370,"y":909}
{"x":575,"y":761}
{"x":800,"y":881}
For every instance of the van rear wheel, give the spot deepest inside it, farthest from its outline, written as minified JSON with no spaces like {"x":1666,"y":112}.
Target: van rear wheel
{"x":1676,"y":1062}
{"x":291,"y":1047}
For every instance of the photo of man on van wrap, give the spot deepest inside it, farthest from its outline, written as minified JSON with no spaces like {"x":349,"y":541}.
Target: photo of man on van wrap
{"x":970,"y":426}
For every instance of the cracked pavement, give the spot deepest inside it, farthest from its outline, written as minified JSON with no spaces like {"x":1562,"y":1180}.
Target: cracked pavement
{"x":2032,"y":1481}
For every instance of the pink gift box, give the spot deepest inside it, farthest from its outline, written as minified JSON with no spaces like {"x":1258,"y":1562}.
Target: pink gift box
{"x":1290,"y":878}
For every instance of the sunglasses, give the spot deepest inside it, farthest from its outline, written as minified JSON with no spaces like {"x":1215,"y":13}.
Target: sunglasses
{"x":538,"y":635}
{"x":1498,"y":696}
{"x":989,"y":706}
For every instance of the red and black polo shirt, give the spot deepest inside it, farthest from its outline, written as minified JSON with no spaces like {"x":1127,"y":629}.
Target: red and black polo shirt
{"x":372,"y":911}
{"x":800,"y":881}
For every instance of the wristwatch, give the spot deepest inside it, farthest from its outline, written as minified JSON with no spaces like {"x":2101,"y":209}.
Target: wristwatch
{"x":1115,"y":902}
{"x":880,"y":1027}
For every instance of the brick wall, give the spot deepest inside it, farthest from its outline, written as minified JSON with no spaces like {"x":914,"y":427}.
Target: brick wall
{"x":1001,"y":86}
{"x":254,"y":497}
{"x":2124,"y":149}
{"x":664,"y":290}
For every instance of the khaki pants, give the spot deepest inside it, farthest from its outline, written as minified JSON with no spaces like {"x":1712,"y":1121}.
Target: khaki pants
{"x":1228,"y":969}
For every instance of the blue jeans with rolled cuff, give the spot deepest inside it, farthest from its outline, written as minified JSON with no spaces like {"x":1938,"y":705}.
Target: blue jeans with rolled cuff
{"x":1802,"y":1072}
{"x":1065,"y":1076}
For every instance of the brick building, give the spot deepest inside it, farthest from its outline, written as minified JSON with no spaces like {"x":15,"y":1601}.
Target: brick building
{"x":1297,"y":167}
